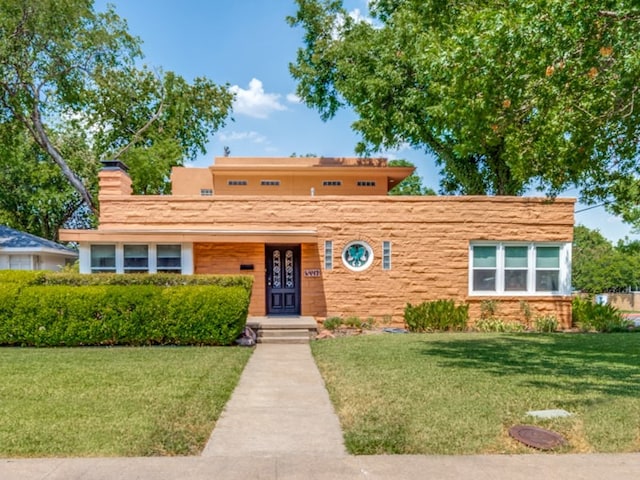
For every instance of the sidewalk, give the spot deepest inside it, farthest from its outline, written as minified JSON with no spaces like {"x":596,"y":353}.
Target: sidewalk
{"x":481,"y":467}
{"x":280,"y":407}
{"x":279,"y":424}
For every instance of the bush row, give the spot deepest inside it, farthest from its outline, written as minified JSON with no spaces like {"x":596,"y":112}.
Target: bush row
{"x":160,"y":279}
{"x":36,"y":313}
{"x":437,"y":315}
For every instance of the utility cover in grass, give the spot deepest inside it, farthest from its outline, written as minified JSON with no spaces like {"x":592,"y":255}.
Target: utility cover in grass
{"x":558,"y":413}
{"x":536,"y":437}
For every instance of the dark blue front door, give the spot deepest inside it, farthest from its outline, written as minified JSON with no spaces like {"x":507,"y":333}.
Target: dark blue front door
{"x":283,"y":279}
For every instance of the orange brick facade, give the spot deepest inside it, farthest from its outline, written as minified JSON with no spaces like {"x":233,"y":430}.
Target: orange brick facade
{"x":430,"y":241}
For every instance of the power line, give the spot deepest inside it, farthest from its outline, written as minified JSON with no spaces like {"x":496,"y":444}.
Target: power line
{"x":592,"y":207}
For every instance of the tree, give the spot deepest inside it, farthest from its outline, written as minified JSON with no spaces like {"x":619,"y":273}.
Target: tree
{"x":34,"y":195}
{"x":64,"y":66}
{"x":508,"y":96}
{"x":598,"y":267}
{"x":412,"y":185}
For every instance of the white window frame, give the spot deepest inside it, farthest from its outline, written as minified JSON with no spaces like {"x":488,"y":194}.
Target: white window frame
{"x":564,"y":270}
{"x":186,"y":256}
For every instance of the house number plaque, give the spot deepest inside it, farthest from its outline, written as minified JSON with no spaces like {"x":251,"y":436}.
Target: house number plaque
{"x":312,"y":272}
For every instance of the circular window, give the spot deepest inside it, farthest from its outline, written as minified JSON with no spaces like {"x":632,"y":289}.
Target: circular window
{"x":357,"y":256}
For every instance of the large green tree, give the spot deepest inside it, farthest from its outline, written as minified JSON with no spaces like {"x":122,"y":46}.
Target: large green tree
{"x":64,"y":66}
{"x":508,"y":95}
{"x":598,"y":266}
{"x":34,"y":195}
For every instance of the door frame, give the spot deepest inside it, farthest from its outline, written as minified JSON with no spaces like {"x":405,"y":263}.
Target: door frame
{"x":297,"y":275}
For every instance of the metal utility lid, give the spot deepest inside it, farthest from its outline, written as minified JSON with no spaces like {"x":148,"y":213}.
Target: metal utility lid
{"x":537,"y":437}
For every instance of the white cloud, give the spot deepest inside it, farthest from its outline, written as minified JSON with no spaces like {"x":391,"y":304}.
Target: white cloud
{"x":293,"y":98}
{"x":356,"y":15}
{"x":255,"y":102}
{"x":253,"y":137}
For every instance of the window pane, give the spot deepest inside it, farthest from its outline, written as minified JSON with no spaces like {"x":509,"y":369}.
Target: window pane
{"x":136,"y":257}
{"x":103,"y":257}
{"x":328,"y":254}
{"x":19,"y":262}
{"x":484,"y":257}
{"x":386,"y":255}
{"x":548,"y":257}
{"x":515,"y":257}
{"x":484,"y":280}
{"x":515,"y":280}
{"x":169,"y":258}
{"x":547,"y":280}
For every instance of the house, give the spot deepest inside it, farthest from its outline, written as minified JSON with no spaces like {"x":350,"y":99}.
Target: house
{"x":23,"y":251}
{"x":321,"y":237}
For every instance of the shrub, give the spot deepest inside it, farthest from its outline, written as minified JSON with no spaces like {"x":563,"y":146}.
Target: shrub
{"x":332,"y":323}
{"x":352,"y":322}
{"x":589,"y":316}
{"x":23,"y":277}
{"x":437,"y":315}
{"x":546,"y":324}
{"x":158,"y":279}
{"x":56,"y":315}
{"x":496,"y":325}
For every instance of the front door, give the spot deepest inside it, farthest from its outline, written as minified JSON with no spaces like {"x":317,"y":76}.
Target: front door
{"x":283,"y":279}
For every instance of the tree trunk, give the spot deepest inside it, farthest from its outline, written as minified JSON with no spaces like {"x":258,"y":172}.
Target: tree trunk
{"x":44,"y":141}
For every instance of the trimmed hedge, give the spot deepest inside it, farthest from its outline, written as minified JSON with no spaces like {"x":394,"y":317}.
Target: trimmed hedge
{"x":71,"y":310}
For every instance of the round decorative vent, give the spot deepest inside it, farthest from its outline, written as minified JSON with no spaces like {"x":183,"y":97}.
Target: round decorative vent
{"x":357,"y":255}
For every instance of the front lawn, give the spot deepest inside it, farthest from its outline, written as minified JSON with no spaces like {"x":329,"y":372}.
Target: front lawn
{"x":459,"y":393}
{"x":113,"y":401}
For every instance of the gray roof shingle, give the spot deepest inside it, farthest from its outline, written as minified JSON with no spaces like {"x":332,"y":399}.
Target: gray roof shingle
{"x":10,"y":238}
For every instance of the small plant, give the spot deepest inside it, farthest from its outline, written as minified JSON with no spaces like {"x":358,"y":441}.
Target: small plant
{"x":496,"y":325}
{"x":589,"y":316}
{"x":332,"y":323}
{"x":546,"y":324}
{"x":369,"y":323}
{"x":525,"y":308}
{"x":488,"y":309}
{"x":387,"y":319}
{"x":438,"y":315}
{"x":352,"y":322}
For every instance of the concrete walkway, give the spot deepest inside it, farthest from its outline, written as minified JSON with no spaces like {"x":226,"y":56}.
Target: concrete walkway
{"x":280,"y":407}
{"x":279,"y":425}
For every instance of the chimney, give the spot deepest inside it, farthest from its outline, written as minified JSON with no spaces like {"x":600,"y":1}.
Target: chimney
{"x":113,"y":179}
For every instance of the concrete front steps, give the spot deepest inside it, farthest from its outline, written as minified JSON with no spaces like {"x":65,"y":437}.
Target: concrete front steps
{"x":293,"y":329}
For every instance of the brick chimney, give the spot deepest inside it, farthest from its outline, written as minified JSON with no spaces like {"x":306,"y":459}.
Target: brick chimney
{"x":113,"y":179}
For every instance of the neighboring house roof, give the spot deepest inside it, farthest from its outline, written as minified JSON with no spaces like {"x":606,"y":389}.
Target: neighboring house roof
{"x":17,"y":241}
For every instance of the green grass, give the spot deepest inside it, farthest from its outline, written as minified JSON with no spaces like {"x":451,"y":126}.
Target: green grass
{"x":460,"y":393}
{"x":113,"y":401}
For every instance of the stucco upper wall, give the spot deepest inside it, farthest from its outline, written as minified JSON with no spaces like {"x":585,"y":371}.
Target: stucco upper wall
{"x":494,"y":218}
{"x":190,"y":181}
{"x":233,"y":162}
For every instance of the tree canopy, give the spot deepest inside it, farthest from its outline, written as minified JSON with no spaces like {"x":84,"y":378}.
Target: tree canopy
{"x":34,"y":195}
{"x":508,"y":95}
{"x":412,"y":185}
{"x":598,"y":266}
{"x":65,"y":67}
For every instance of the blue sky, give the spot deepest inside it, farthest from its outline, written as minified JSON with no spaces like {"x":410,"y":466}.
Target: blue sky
{"x":248,"y":45}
